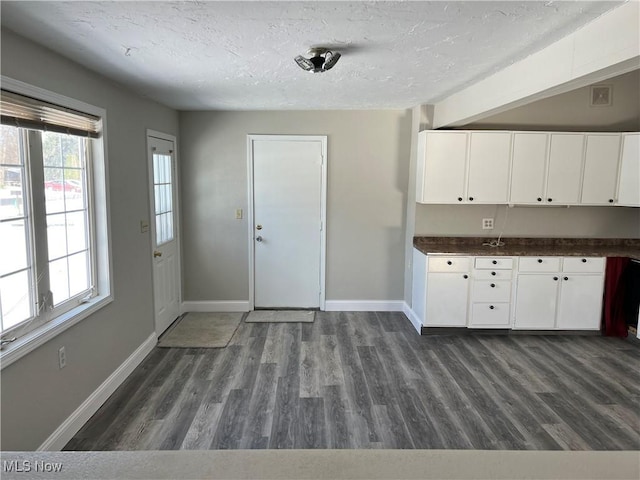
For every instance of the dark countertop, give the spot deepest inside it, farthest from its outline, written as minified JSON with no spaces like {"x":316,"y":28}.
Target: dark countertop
{"x":519,"y":246}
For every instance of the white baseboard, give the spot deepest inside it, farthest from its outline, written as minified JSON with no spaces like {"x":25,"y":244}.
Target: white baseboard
{"x":65,"y":432}
{"x":413,"y":318}
{"x":364,"y":306}
{"x":216,"y":306}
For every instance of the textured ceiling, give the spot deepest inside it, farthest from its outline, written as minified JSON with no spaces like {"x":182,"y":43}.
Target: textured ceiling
{"x":239,"y":55}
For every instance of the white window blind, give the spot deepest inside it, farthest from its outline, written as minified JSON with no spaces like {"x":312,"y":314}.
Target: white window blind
{"x":26,"y":112}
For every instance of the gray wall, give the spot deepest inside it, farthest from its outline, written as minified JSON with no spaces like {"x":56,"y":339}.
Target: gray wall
{"x":594,"y":222}
{"x":368,"y":168}
{"x":571,"y":111}
{"x":36,"y":396}
{"x":566,"y":112}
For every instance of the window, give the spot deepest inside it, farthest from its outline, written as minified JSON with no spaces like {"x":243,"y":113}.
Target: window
{"x":16,"y":265}
{"x":54,"y":243}
{"x":162,"y":188}
{"x":67,"y":217}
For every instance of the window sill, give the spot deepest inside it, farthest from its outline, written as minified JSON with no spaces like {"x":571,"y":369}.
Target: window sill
{"x":22,"y":346}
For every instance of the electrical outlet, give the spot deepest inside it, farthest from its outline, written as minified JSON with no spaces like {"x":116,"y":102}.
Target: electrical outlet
{"x":62,"y":358}
{"x":487,"y":223}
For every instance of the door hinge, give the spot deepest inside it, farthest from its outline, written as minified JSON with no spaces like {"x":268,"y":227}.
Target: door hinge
{"x":321,"y":226}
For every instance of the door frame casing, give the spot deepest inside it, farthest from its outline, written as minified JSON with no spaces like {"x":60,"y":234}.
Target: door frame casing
{"x":323,"y":208}
{"x":176,"y":198}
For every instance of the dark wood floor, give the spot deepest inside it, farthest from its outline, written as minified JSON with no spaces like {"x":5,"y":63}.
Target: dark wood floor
{"x":368,"y":380}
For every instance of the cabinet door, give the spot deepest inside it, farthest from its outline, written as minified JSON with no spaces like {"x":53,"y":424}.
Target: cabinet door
{"x":489,"y":162}
{"x":600,"y":178}
{"x":528,"y":167}
{"x":580,"y":305}
{"x":442,"y":161}
{"x":629,"y":181}
{"x":536,"y":298}
{"x":565,"y":168}
{"x":447,"y":296}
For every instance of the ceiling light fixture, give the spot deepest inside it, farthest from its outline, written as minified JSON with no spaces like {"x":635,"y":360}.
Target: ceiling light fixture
{"x":322,"y":59}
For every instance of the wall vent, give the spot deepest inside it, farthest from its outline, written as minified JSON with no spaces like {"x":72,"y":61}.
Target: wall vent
{"x":601,"y":96}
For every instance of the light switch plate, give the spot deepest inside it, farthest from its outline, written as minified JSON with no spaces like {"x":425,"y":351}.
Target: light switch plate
{"x":144,"y":226}
{"x":238,"y":214}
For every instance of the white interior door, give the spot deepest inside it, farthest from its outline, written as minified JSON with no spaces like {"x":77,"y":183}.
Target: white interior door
{"x":166,"y":265}
{"x":288,"y":215}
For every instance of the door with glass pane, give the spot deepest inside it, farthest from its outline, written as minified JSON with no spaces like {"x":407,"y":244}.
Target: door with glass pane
{"x":166,"y":266}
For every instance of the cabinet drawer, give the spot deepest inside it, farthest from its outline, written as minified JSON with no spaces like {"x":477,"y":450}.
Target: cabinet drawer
{"x":583,"y":264}
{"x":493,"y":274}
{"x":449,"y":264}
{"x":497,"y":263}
{"x":490,"y":315}
{"x":491,"y":291}
{"x":539,"y":264}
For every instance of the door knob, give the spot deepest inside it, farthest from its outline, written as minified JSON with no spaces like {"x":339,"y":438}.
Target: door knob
{"x":157,"y":254}
{"x":259,"y":227}
{"x":258,"y":238}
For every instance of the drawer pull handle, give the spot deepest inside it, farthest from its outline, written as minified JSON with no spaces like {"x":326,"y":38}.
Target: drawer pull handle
{"x":493,"y":273}
{"x":465,"y":276}
{"x":471,"y":199}
{"x":493,"y":285}
{"x":495,"y":262}
{"x":566,"y":278}
{"x":491,"y":307}
{"x":539,"y":199}
{"x":555,"y":278}
{"x":449,"y":262}
{"x":539,"y":260}
{"x":584,"y":260}
{"x":459,"y":199}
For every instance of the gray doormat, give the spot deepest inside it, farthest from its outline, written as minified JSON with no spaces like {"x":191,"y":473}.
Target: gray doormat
{"x":201,"y":330}
{"x":278,"y":316}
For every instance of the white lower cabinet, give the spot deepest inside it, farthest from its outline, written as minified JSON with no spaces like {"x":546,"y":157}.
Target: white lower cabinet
{"x":490,"y":302}
{"x":440,"y":289}
{"x":447,"y":291}
{"x":447,"y":295}
{"x":568,"y":298}
{"x":580,"y":305}
{"x":536,"y":301}
{"x":525,"y":293}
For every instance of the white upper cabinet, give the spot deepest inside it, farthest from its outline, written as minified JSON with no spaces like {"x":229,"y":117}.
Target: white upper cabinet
{"x":442,"y":164}
{"x":629,"y":180}
{"x":566,"y":154}
{"x":489,"y":162}
{"x":528,"y":169}
{"x":600,"y":180}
